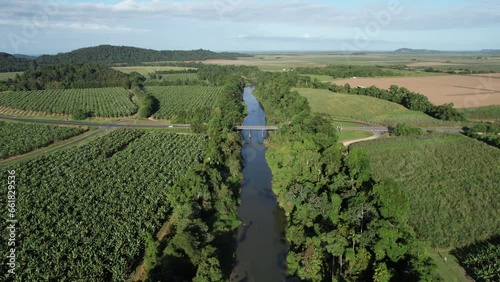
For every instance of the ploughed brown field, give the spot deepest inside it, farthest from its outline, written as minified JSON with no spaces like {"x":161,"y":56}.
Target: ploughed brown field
{"x":464,"y":91}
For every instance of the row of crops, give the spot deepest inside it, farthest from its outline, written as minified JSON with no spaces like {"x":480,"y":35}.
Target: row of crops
{"x":175,"y":77}
{"x":101,"y":102}
{"x":181,"y":103}
{"x":451,"y":181}
{"x":482,"y":260}
{"x":114,"y":192}
{"x":20,"y":138}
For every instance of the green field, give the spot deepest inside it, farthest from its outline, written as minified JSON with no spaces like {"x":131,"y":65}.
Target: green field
{"x":448,"y":266}
{"x":145,"y":70}
{"x":352,"y":135}
{"x":100,"y":102}
{"x":21,"y":138}
{"x":453,"y":60}
{"x":364,"y":108}
{"x":488,"y":113}
{"x":179,"y":103}
{"x":451,"y":181}
{"x":85,"y":211}
{"x":6,"y":75}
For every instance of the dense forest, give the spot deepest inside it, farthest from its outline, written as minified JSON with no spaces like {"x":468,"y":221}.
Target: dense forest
{"x":111,"y":55}
{"x":10,"y":63}
{"x":205,"y":201}
{"x":108,"y":54}
{"x":69,"y":76}
{"x":342,"y":225}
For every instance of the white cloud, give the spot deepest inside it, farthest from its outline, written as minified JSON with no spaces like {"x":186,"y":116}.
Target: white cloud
{"x":311,"y":39}
{"x":294,"y":13}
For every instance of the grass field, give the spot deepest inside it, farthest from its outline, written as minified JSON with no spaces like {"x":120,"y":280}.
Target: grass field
{"x":6,"y":75}
{"x":352,"y":135}
{"x":451,"y":182}
{"x":144,"y":70}
{"x":449,"y":270}
{"x":488,"y":113}
{"x":364,"y":108}
{"x":336,"y":123}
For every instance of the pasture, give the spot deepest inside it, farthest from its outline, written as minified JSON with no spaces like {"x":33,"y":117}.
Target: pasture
{"x":6,"y":75}
{"x":486,"y":113}
{"x":451,"y":182}
{"x":364,"y":108}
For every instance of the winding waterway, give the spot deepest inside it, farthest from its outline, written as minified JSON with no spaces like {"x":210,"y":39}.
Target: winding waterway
{"x":261,"y":247}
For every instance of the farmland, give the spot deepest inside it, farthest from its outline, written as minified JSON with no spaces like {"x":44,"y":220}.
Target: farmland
{"x":20,"y":138}
{"x":363,"y":108}
{"x":482,"y":260}
{"x":180,"y":103}
{"x":100,"y":102}
{"x":452,"y":182}
{"x":463,"y":91}
{"x":416,"y":61}
{"x":114,"y":192}
{"x":173,"y":77}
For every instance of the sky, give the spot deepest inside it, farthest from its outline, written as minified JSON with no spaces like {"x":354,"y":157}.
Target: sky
{"x":51,"y":26}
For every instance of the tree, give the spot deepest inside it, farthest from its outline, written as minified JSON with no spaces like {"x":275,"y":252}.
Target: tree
{"x":402,"y":129}
{"x":80,"y":114}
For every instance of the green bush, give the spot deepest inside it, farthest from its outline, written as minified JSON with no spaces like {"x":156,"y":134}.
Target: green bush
{"x":80,"y":114}
{"x":402,"y":129}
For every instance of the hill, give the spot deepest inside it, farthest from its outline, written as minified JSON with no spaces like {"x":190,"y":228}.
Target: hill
{"x":66,"y":76}
{"x":415,"y":51}
{"x":490,"y":51}
{"x":10,"y":63}
{"x":364,"y":108}
{"x":108,"y":54}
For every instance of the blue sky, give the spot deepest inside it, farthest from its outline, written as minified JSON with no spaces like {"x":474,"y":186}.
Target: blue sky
{"x":51,"y":26}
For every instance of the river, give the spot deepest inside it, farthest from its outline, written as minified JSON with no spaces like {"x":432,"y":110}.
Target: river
{"x":261,"y":247}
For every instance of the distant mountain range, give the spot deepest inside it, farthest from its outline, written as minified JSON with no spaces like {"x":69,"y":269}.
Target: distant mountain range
{"x":414,"y":51}
{"x":490,"y":51}
{"x":108,"y":54}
